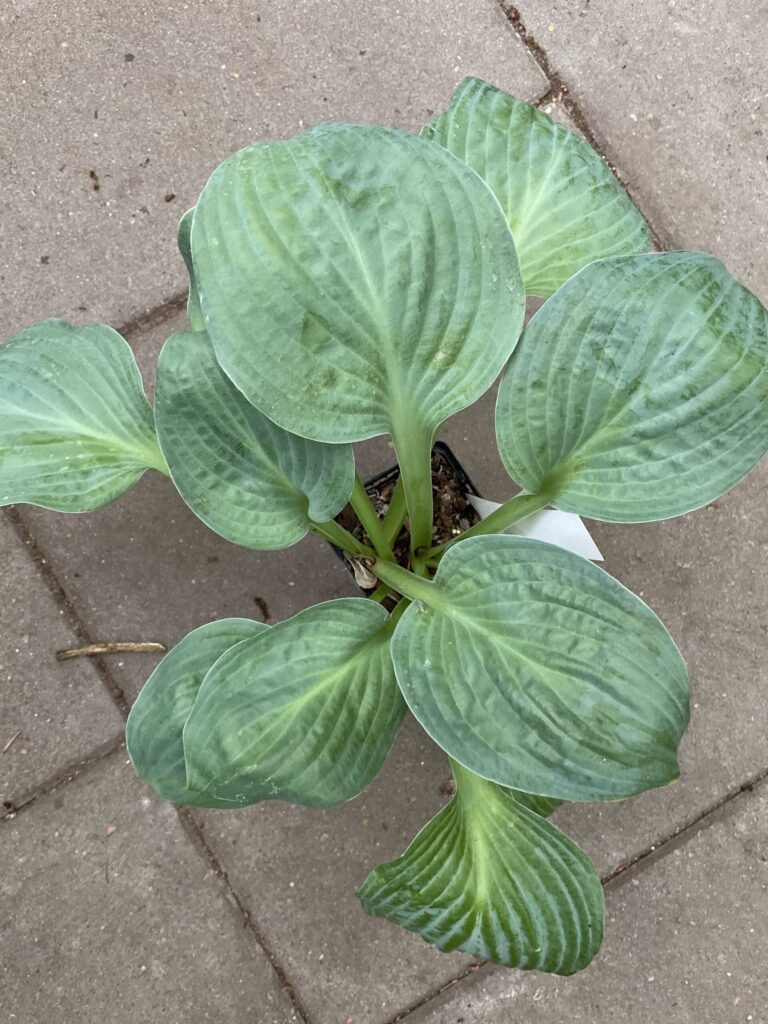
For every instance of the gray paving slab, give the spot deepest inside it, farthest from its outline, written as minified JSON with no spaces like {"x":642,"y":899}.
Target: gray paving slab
{"x":147,"y":569}
{"x":675,"y":92}
{"x":686,"y":941}
{"x":114,"y":116}
{"x":51,"y":715}
{"x":111,"y":916}
{"x":297,"y":871}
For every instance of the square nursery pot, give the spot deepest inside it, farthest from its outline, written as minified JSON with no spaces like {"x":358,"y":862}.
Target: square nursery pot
{"x":450,"y":484}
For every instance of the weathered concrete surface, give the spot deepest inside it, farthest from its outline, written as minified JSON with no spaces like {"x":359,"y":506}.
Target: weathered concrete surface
{"x":686,"y":941}
{"x":297,"y":871}
{"x":51,"y":715}
{"x":675,"y":92}
{"x":110,"y":915}
{"x":150,"y":570}
{"x":114,"y":116}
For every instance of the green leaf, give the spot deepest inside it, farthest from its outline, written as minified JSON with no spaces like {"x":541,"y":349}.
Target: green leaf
{"x":494,"y":879}
{"x":562,"y":202}
{"x":356,"y":281}
{"x":639,"y":391}
{"x":535,"y":669}
{"x":153,"y":733}
{"x":541,"y":805}
{"x":76,"y":430}
{"x":306,"y":712}
{"x":245,"y":477}
{"x":183,"y":238}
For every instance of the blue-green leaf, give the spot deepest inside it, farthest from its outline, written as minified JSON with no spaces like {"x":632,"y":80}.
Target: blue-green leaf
{"x":640,"y":390}
{"x":562,"y":202}
{"x":305,"y":712}
{"x":536,"y":669}
{"x":153,"y":733}
{"x":183,"y":238}
{"x":356,"y":281}
{"x":245,"y":477}
{"x":76,"y":430}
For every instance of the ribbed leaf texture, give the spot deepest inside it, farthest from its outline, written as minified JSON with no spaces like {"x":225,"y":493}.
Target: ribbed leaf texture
{"x":536,"y":669}
{"x":245,"y":477}
{"x":640,"y":390}
{"x":562,"y":202}
{"x":305,"y":712}
{"x":494,"y":879}
{"x":76,"y":430}
{"x":153,"y":733}
{"x":355,"y":281}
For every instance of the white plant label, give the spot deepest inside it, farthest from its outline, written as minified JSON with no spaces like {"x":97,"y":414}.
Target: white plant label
{"x":562,"y":528}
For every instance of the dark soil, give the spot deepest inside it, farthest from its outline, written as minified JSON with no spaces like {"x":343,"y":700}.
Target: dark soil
{"x":453,"y":513}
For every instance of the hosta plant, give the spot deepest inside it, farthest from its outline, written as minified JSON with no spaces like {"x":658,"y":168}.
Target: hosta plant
{"x":357,"y":281}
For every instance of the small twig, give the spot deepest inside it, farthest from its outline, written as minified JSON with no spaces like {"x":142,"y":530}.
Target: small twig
{"x":11,"y":741}
{"x":116,"y":648}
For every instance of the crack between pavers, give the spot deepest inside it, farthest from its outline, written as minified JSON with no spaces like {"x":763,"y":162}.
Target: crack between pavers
{"x":659,"y":850}
{"x":198,"y":840}
{"x":559,"y":92}
{"x":72,"y":617}
{"x":193,"y":832}
{"x":701,"y":821}
{"x":155,"y":316}
{"x":62,"y":777}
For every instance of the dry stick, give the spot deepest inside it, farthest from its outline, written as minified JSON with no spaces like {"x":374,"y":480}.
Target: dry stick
{"x":11,"y":741}
{"x":116,"y":648}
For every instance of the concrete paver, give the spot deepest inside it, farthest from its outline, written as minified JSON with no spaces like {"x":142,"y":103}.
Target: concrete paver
{"x":675,"y":92}
{"x":297,"y":871}
{"x":151,"y":571}
{"x":114,"y":116}
{"x":110,"y":915}
{"x":686,"y":941}
{"x":58,"y":713}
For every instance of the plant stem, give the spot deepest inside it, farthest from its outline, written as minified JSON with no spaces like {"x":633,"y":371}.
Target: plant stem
{"x":403,"y":581}
{"x":396,"y":614}
{"x":414,"y":455}
{"x":336,"y":534}
{"x":511,"y":512}
{"x":471,"y":789}
{"x":372,"y":525}
{"x":380,"y":593}
{"x":396,"y":513}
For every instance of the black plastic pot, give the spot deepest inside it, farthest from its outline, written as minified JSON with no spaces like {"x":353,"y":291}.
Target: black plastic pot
{"x":391,"y":474}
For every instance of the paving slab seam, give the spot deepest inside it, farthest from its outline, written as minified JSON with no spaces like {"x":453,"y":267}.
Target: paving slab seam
{"x":155,"y":316}
{"x":688,"y":830}
{"x":45,"y":569}
{"x":620,"y":876}
{"x":63,"y":777}
{"x":559,"y":91}
{"x":193,"y":833}
{"x":468,"y":972}
{"x":197,"y":839}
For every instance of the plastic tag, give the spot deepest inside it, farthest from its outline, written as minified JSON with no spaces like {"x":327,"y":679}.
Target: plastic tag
{"x":562,"y":528}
